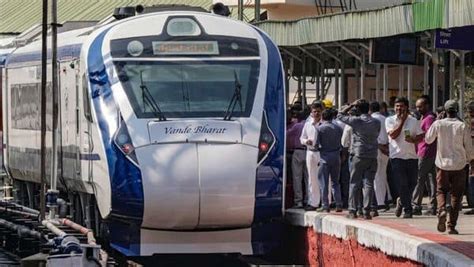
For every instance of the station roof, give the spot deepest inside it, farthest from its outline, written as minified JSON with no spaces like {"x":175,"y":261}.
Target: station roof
{"x":366,"y":24}
{"x":17,"y":16}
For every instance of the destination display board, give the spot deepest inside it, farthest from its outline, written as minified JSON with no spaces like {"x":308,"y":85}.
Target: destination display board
{"x":186,"y":48}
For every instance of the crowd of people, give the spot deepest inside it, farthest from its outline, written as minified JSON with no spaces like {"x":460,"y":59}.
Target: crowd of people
{"x":364,"y":159}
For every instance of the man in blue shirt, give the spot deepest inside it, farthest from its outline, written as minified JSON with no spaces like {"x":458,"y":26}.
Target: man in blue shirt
{"x":329,"y":144}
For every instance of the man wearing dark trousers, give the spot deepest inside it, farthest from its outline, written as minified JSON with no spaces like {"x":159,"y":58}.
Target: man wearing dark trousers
{"x":329,"y":145}
{"x":298,"y":159}
{"x":426,"y":161}
{"x":454,"y":150}
{"x":404,"y":132}
{"x":364,"y":160}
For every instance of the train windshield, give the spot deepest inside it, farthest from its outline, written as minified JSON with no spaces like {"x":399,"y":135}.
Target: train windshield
{"x":181,"y":89}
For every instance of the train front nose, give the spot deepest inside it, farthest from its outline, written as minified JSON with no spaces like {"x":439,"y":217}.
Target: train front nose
{"x":198,"y":184}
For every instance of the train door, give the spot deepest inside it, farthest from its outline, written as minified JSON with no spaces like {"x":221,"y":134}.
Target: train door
{"x":85,"y":135}
{"x":69,"y":123}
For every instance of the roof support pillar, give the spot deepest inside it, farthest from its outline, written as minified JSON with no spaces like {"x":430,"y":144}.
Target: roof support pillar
{"x":452,"y":65}
{"x":401,"y":79}
{"x":377,"y":82}
{"x":426,"y":69}
{"x":318,"y":81}
{"x":463,"y":83}
{"x":298,"y":91}
{"x":385,"y":82}
{"x":362,"y":75}
{"x":409,"y":85}
{"x":323,"y":81}
{"x":435,"y":84}
{"x":303,"y":80}
{"x":357,"y":73}
{"x":342,"y":93}
{"x":287,"y":81}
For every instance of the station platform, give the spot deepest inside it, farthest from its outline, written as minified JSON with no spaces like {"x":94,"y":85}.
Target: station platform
{"x":331,"y":239}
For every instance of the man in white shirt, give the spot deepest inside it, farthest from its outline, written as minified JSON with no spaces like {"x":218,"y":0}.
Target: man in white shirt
{"x":380,"y":183}
{"x":454,"y":151}
{"x":404,"y":132}
{"x":308,"y":138}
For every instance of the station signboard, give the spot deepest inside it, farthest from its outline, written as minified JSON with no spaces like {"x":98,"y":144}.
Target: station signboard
{"x":461,"y":38}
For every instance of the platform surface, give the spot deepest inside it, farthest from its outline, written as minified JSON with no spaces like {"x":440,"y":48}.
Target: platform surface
{"x":415,"y":239}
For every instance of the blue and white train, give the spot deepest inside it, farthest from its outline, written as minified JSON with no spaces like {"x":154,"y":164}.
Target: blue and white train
{"x":173,"y":122}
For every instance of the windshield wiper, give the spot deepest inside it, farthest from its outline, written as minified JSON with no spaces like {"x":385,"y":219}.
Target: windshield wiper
{"x":184,"y":86}
{"x":236,"y":98}
{"x":149,"y":100}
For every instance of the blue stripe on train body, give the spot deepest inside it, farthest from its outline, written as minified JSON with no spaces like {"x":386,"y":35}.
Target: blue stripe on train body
{"x":125,"y":178}
{"x":269,"y":180}
{"x":66,"y":51}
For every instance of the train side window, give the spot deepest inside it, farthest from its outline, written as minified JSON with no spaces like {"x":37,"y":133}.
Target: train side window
{"x":86,"y":99}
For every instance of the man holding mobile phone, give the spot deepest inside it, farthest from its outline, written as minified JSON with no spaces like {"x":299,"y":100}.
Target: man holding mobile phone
{"x":404,"y":132}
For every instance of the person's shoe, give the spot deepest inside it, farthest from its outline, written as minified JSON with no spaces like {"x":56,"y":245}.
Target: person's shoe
{"x":398,"y":208}
{"x":417,"y":211}
{"x":469,"y":212}
{"x":360,"y":212}
{"x":453,"y":231}
{"x":367,"y":216}
{"x":374,"y":213}
{"x":310,"y":208}
{"x":323,"y":210}
{"x":298,"y":206}
{"x":430,"y":212}
{"x":338,"y":209}
{"x":352,"y":215}
{"x":442,"y":221}
{"x":407,"y":215}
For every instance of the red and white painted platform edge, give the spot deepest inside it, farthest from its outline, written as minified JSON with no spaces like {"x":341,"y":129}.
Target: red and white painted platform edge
{"x":386,"y":239}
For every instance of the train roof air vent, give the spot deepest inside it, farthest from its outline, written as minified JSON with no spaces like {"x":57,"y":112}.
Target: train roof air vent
{"x":161,"y":8}
{"x":124,"y":12}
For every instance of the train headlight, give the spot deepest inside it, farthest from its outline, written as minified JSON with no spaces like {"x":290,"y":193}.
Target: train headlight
{"x":183,"y":27}
{"x":266,"y":140}
{"x":123,"y":141}
{"x":135,"y":48}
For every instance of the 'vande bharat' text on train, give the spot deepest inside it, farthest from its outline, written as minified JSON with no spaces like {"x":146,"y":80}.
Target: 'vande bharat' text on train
{"x":195,"y":130}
